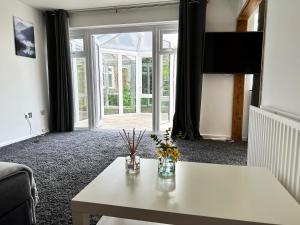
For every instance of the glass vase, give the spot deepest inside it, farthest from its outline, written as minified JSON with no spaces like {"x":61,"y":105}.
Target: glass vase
{"x":132,"y":164}
{"x":166,"y":167}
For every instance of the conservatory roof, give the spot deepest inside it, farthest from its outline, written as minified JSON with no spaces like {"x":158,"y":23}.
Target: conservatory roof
{"x":135,"y":42}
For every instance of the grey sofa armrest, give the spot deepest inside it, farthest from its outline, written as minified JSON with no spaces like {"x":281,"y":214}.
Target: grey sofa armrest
{"x":15,"y":195}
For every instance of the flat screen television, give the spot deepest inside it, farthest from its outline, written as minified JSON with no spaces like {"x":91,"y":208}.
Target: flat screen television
{"x":233,"y":52}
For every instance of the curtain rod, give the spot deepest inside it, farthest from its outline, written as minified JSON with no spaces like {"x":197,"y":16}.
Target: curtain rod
{"x":124,"y":7}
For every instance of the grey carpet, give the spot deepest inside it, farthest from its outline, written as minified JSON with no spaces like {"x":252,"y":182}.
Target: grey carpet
{"x":63,"y":164}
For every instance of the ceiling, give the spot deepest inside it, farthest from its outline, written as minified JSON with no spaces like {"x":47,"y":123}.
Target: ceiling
{"x":84,"y":4}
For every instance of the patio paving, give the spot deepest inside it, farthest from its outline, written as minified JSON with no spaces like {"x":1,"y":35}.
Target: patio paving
{"x":139,"y":121}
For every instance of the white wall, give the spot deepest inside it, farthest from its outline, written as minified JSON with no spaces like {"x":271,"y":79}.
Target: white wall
{"x":217,"y":100}
{"x":216,"y":115}
{"x":23,"y":81}
{"x":281,"y":77}
{"x":240,"y":5}
{"x":100,"y":18}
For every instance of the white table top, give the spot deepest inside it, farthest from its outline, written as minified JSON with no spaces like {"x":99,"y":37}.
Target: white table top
{"x":105,"y":220}
{"x":199,"y":192}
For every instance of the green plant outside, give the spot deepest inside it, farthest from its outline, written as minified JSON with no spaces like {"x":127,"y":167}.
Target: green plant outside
{"x":127,"y":100}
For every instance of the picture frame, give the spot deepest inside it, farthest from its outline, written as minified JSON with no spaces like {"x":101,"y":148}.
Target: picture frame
{"x":24,"y":38}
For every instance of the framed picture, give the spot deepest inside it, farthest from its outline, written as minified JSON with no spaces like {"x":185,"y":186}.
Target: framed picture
{"x":24,"y":38}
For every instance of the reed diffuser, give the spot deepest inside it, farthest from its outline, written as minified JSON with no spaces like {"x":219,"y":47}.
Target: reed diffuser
{"x":132,"y":162}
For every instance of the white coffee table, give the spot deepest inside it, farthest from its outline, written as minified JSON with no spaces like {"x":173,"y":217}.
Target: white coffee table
{"x":199,"y":194}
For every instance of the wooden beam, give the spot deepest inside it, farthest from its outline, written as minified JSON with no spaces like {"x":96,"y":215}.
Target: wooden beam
{"x":248,"y":9}
{"x":238,"y":95}
{"x":239,"y":79}
{"x":238,"y":107}
{"x":242,"y":26}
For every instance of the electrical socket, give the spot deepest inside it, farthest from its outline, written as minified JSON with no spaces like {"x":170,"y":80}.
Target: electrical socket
{"x":30,"y":115}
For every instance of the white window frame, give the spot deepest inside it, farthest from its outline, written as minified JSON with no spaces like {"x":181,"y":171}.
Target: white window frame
{"x":161,"y":35}
{"x":112,"y":77}
{"x":168,"y":51}
{"x":82,"y":54}
{"x":157,"y":30}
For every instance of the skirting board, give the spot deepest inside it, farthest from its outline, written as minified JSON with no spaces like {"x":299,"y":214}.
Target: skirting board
{"x":2,"y":144}
{"x":216,"y":137}
{"x":219,"y":137}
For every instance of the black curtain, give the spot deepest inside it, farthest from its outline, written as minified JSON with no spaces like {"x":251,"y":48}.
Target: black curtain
{"x":61,"y":117}
{"x":192,"y":17}
{"x":257,"y":77}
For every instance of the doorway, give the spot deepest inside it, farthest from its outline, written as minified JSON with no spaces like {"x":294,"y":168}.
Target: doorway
{"x":125,"y":67}
{"x":129,"y":77}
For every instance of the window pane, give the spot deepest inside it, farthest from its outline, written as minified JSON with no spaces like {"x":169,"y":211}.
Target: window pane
{"x":80,"y":92}
{"x":129,"y":83}
{"x":147,"y":75}
{"x":165,"y":98}
{"x":110,"y":84}
{"x":135,"y":42}
{"x":170,"y":41}
{"x":146,"y":105}
{"x":77,"y":45}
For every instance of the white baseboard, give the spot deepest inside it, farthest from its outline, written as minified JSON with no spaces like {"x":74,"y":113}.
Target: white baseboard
{"x":16,"y":140}
{"x":216,"y":137}
{"x":244,"y":138}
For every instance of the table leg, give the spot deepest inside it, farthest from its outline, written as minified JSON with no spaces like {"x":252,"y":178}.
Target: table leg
{"x":80,"y":218}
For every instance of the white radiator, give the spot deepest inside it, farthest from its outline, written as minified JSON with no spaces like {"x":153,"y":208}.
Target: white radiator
{"x":274,"y":143}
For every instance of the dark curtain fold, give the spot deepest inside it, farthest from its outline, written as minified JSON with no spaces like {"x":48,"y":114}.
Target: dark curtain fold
{"x":61,"y":117}
{"x":257,"y":77}
{"x":192,"y":17}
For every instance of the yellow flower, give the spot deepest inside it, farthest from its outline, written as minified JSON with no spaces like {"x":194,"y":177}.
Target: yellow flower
{"x":169,"y":150}
{"x":164,"y":154}
{"x":158,"y":152}
{"x":176,"y":154}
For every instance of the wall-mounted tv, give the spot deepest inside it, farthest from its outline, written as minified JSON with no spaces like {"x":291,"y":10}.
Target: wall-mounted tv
{"x":233,"y":52}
